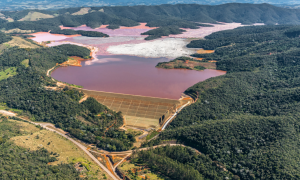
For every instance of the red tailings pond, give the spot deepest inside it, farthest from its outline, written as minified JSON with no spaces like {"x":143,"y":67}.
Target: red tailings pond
{"x":132,"y":75}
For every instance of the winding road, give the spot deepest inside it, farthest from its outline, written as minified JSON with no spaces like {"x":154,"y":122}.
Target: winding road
{"x":113,"y":175}
{"x":59,"y":131}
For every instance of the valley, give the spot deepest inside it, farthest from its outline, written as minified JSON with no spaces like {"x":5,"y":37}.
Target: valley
{"x":113,"y":76}
{"x":181,"y":91}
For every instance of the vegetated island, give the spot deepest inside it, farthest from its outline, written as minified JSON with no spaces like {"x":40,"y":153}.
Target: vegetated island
{"x":196,"y":63}
{"x":186,"y":63}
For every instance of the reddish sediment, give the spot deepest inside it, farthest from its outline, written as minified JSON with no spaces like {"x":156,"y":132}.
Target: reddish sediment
{"x":73,"y":61}
{"x":202,"y":51}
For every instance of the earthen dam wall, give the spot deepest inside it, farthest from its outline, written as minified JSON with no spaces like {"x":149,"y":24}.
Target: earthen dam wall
{"x":139,"y":111}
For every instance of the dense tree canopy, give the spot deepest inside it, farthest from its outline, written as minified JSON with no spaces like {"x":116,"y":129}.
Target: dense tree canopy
{"x":248,"y":118}
{"x":169,"y":18}
{"x":21,"y":163}
{"x":179,"y":162}
{"x":89,"y":121}
{"x":73,"y":50}
{"x":4,"y":38}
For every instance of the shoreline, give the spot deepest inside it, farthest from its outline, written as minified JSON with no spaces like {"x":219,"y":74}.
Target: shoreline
{"x":92,"y":54}
{"x":93,"y":49}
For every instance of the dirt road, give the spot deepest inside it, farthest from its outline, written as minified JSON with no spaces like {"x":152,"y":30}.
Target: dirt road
{"x":83,"y":148}
{"x":51,"y":127}
{"x":112,"y":173}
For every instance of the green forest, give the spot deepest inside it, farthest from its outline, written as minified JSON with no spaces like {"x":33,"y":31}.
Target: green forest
{"x":247,"y":119}
{"x":178,"y":162}
{"x":73,"y":50}
{"x":89,"y":121}
{"x":169,"y":18}
{"x":180,"y":63}
{"x":243,"y":125}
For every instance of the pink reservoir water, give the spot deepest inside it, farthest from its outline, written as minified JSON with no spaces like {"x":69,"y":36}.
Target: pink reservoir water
{"x":132,"y":75}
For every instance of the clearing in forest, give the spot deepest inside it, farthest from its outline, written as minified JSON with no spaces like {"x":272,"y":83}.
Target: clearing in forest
{"x":34,"y":16}
{"x":82,"y":11}
{"x":21,"y":43}
{"x":64,"y":150}
{"x":8,"y":73}
{"x":138,"y":172}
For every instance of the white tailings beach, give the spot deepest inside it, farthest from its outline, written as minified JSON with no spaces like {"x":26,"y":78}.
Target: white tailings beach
{"x":166,"y":47}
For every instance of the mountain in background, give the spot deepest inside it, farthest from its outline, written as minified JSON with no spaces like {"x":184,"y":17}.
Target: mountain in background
{"x":57,"y":4}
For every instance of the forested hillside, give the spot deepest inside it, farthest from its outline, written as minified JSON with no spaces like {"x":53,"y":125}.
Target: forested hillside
{"x":73,"y":50}
{"x":245,"y":124}
{"x":179,"y":162}
{"x":248,"y":118}
{"x":21,"y":163}
{"x":25,"y":91}
{"x":170,"y":18}
{"x":4,"y":38}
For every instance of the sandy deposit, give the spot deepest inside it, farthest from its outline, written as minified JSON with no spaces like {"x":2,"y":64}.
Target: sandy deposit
{"x":205,"y":31}
{"x":167,"y":47}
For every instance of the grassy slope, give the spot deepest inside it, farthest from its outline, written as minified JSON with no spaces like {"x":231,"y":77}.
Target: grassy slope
{"x":20,"y":163}
{"x":25,"y":63}
{"x":68,"y":152}
{"x":34,"y":16}
{"x":21,"y":43}
{"x":82,"y":11}
{"x":8,"y":73}
{"x":126,"y":167}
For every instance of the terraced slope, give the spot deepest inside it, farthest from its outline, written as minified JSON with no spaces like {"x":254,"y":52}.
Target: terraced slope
{"x":139,"y":111}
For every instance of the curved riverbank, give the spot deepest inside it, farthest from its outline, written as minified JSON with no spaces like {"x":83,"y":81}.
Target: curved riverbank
{"x":93,"y":49}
